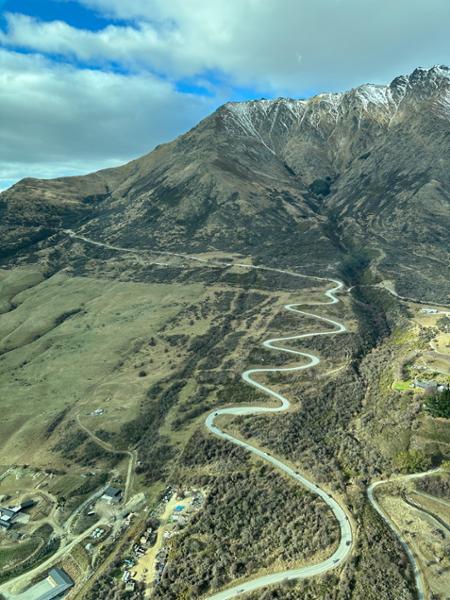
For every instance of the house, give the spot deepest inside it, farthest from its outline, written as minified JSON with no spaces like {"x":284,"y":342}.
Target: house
{"x":112,"y":495}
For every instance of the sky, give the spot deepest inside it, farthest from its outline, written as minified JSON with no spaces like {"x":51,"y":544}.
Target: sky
{"x":88,"y":84}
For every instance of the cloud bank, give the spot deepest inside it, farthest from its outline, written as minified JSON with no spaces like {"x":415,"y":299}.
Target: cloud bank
{"x":75,"y":98}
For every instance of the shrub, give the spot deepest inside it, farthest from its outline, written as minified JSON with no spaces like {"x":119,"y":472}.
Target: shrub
{"x":410,"y":461}
{"x":438,"y":404}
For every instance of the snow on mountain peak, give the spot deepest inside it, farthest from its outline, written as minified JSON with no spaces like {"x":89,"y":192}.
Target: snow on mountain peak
{"x":274,"y":122}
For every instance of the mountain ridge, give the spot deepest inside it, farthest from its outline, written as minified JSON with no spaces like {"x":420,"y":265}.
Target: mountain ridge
{"x":332,"y":177}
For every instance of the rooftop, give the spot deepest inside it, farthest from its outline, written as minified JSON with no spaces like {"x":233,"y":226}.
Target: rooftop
{"x":55,"y":585}
{"x":7,"y":516}
{"x":112,"y":492}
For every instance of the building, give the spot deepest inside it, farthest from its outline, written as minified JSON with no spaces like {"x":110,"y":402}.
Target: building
{"x":7,"y":517}
{"x":9,"y":514}
{"x":55,"y":585}
{"x":112,"y":495}
{"x":60,"y":582}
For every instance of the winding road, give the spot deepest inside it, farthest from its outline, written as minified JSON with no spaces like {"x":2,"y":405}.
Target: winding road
{"x":418,"y":576}
{"x":346,"y":538}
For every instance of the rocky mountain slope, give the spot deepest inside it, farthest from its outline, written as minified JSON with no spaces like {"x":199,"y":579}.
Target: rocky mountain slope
{"x":357,"y":178}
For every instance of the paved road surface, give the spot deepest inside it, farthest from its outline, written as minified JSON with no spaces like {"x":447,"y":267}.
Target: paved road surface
{"x":391,"y":290}
{"x":346,"y":540}
{"x":418,"y":575}
{"x":9,"y":588}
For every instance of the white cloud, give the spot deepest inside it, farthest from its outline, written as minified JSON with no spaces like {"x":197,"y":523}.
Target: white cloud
{"x":140,"y":46}
{"x":257,"y":42}
{"x":57,"y":119}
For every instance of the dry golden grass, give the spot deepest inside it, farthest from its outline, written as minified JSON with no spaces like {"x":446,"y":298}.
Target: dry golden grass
{"x":427,"y":538}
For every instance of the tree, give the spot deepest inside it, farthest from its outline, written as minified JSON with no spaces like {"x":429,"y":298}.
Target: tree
{"x":443,"y":324}
{"x":438,"y":404}
{"x":411,"y":461}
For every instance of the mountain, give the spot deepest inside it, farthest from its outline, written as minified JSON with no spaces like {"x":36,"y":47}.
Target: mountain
{"x":343,"y":181}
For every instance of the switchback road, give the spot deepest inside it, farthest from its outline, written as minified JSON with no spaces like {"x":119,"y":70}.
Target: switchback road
{"x":346,"y":539}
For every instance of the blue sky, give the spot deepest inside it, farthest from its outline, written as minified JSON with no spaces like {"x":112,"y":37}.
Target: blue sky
{"x":87,"y":84}
{"x":73,"y":13}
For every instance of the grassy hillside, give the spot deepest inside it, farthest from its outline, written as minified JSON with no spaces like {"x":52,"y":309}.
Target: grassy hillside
{"x":69,"y":344}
